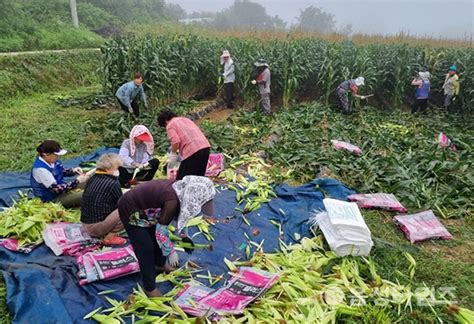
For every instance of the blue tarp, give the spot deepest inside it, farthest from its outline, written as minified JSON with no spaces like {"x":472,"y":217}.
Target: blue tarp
{"x":44,"y":288}
{"x":12,"y":182}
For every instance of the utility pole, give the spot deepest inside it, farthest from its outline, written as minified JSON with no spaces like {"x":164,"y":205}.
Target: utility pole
{"x":75,"y":20}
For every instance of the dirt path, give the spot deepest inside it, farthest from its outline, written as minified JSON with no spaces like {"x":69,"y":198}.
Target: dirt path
{"x":49,"y":51}
{"x":217,"y":116}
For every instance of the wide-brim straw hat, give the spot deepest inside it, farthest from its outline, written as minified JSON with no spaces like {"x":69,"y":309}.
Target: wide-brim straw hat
{"x":260,"y":63}
{"x":225,"y":53}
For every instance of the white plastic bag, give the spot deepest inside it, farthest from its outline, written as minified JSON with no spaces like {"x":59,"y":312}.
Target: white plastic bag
{"x":344,"y":228}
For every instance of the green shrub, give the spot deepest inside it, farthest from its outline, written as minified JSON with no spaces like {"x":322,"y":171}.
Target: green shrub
{"x":11,"y":43}
{"x":29,"y":74}
{"x":68,"y":37}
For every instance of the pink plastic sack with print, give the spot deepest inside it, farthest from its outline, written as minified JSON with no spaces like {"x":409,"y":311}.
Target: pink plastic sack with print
{"x":445,"y":142}
{"x":12,"y":245}
{"x":215,"y":164}
{"x":188,"y":300}
{"x":378,"y":201}
{"x":69,"y":239}
{"x":106,"y":265}
{"x":422,"y":226}
{"x":241,"y":290}
{"x":340,"y":145}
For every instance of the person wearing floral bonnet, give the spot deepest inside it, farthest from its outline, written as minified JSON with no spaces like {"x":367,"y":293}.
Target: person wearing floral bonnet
{"x":148,"y":209}
{"x":137,"y":156}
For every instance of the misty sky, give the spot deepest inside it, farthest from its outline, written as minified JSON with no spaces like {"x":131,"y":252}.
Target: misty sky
{"x":445,"y":18}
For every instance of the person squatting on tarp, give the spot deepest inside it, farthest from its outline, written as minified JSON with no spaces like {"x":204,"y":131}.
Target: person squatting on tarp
{"x":47,"y":176}
{"x":187,"y":139}
{"x":343,"y":90}
{"x":264,"y":81}
{"x":128,"y":92}
{"x":422,"y":92}
{"x":148,"y":232}
{"x":451,"y":87}
{"x":99,"y":213}
{"x":136,"y":152}
{"x":229,"y":78}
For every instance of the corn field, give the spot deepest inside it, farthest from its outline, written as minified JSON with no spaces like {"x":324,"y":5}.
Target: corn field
{"x":177,"y":65}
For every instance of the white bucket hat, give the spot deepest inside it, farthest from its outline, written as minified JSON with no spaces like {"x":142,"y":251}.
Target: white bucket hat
{"x":193,"y":192}
{"x":425,"y":76}
{"x":359,"y":81}
{"x":225,"y":53}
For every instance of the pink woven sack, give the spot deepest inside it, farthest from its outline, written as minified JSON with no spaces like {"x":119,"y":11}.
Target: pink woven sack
{"x":340,"y":145}
{"x":378,"y":201}
{"x":215,"y":164}
{"x":422,"y":226}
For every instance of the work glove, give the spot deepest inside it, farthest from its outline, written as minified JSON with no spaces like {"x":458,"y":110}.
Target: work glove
{"x":362,"y":97}
{"x":189,"y":241}
{"x":135,"y":165}
{"x":454,"y":98}
{"x":253,"y":82}
{"x":172,"y":157}
{"x":173,"y":259}
{"x":78,"y":170}
{"x":145,"y":166}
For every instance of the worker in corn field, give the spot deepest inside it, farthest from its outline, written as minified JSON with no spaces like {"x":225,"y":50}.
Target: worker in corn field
{"x":99,"y":213}
{"x":422,"y":92}
{"x":229,"y":78}
{"x":263,"y":81}
{"x":346,"y":87}
{"x":128,"y":92}
{"x":148,"y":233}
{"x":187,"y":139}
{"x":48,"y":173}
{"x":137,"y":156}
{"x":450,"y":87}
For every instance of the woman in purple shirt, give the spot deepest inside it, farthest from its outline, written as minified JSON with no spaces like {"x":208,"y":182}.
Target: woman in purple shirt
{"x":422,"y":92}
{"x":148,"y":209}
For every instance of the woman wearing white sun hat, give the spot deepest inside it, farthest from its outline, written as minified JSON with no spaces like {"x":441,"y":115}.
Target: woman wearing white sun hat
{"x":229,"y":78}
{"x":343,"y":89}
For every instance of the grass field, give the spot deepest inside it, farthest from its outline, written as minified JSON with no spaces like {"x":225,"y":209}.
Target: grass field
{"x":42,"y":118}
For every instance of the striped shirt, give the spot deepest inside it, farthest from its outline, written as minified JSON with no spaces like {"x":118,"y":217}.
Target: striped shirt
{"x":100,"y":198}
{"x":186,"y":133}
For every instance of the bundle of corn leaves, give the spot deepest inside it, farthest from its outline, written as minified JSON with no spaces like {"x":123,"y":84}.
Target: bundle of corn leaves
{"x":315,"y":286}
{"x":254,"y":190}
{"x":27,"y":218}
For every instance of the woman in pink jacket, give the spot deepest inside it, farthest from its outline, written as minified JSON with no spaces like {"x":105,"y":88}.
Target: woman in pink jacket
{"x":187,"y":139}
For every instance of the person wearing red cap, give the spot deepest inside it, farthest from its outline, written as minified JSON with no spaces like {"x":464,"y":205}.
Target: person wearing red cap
{"x":137,"y":153}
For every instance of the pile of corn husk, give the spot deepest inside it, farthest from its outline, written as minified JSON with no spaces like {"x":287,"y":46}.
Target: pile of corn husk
{"x":315,"y":286}
{"x":27,"y":218}
{"x":248,"y":178}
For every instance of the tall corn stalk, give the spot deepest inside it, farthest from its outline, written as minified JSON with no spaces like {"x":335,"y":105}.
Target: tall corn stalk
{"x":178,"y":65}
